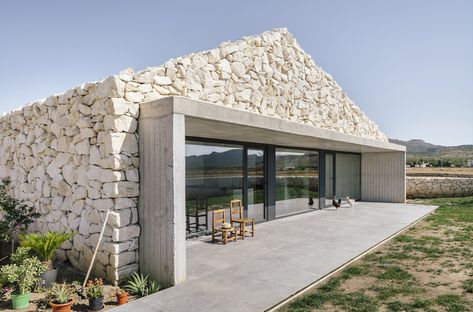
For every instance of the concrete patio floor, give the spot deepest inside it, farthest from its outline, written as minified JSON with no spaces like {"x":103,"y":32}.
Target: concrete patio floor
{"x":285,"y":256}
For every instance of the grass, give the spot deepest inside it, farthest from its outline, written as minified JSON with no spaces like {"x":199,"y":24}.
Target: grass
{"x":453,"y":303}
{"x":394,"y":273}
{"x":427,"y":268}
{"x":282,"y":193}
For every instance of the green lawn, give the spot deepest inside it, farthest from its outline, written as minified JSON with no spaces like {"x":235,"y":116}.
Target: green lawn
{"x":427,"y":268}
{"x":223,"y":201}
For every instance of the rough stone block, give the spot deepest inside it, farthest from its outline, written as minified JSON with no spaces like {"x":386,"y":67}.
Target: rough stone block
{"x":120,"y":218}
{"x":115,"y":248}
{"x":120,"y":189}
{"x":103,"y":204}
{"x":125,"y":233}
{"x":116,"y":143}
{"x":121,"y":123}
{"x":122,"y":273}
{"x":104,"y":175}
{"x":122,"y":203}
{"x":118,"y":106}
{"x":120,"y":260}
{"x":132,"y":175}
{"x":111,"y":87}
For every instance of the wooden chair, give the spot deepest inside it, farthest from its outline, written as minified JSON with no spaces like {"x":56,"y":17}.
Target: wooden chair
{"x":197,"y":212}
{"x":218,"y":219}
{"x":236,"y":216}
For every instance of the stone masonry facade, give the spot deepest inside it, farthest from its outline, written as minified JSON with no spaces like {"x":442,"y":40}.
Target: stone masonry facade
{"x":74,"y":156}
{"x":431,"y":187}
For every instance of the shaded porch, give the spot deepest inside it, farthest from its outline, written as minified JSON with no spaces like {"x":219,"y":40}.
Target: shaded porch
{"x":285,"y":256}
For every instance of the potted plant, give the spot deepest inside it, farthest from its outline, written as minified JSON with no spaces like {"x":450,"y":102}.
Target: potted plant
{"x":20,"y":276}
{"x":140,"y":286}
{"x":45,"y":246}
{"x":61,"y":296}
{"x":94,"y":292}
{"x":122,"y":296}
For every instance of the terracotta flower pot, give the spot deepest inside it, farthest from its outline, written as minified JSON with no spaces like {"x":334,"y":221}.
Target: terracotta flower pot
{"x":122,"y":298}
{"x":61,"y":307}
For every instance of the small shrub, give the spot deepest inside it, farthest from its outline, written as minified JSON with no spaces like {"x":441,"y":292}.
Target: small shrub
{"x":94,"y":288}
{"x":140,"y":285}
{"x":61,"y":293}
{"x":153,"y":287}
{"x":45,"y":245}
{"x":20,"y":255}
{"x":16,"y":215}
{"x":23,"y":273}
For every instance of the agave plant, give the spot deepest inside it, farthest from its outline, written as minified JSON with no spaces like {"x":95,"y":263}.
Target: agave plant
{"x":61,"y":293}
{"x":140,"y":285}
{"x":45,"y":245}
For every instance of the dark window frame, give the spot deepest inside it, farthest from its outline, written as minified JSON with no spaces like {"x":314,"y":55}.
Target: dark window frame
{"x":270,"y":170}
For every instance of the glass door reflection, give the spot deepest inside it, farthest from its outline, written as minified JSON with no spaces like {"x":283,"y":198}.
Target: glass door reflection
{"x":214,"y":177}
{"x":256,"y":184}
{"x":329,"y":179}
{"x":297,"y":181}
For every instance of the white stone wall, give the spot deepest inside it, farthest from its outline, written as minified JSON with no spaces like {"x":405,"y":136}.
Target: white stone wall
{"x":431,"y":187}
{"x":267,"y":74}
{"x":75,"y":155}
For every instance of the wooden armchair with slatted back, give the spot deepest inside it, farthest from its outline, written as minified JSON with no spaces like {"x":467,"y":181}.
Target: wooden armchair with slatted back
{"x":237,"y":217}
{"x":218,"y":219}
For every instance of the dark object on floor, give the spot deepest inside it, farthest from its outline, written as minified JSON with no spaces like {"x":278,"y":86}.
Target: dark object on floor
{"x":337,"y":204}
{"x":311,"y":201}
{"x":197,"y":213}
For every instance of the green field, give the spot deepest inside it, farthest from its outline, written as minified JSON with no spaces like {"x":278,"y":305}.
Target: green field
{"x":217,"y":202}
{"x":427,"y":268}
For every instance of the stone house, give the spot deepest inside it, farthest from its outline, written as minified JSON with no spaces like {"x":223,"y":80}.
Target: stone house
{"x":255,"y":119}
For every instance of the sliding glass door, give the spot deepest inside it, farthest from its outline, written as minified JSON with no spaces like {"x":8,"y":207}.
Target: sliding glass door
{"x":270,"y":181}
{"x":256,"y":185}
{"x":217,"y":173}
{"x":297,"y":181}
{"x":329,"y":179}
{"x":214,"y":177}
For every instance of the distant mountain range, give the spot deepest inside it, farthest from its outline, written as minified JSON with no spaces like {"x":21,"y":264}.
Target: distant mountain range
{"x":234,"y":159}
{"x":419,"y":148}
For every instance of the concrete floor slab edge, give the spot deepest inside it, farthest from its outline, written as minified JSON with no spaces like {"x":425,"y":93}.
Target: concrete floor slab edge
{"x":346,"y":264}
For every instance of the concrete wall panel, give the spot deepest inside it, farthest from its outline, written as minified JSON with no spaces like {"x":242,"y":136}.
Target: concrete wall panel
{"x":383,"y":177}
{"x":162,"y":202}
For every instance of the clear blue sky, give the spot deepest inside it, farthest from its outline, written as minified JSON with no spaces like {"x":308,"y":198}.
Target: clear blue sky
{"x":407,"y":64}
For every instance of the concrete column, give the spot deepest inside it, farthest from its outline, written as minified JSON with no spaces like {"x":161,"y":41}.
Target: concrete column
{"x":162,"y":195}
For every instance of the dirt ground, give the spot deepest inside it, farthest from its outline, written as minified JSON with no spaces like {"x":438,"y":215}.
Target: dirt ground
{"x":429,"y":267}
{"x":440,"y":172}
